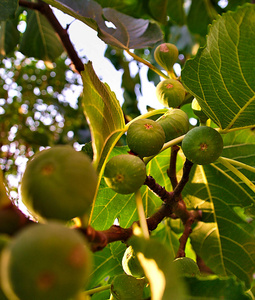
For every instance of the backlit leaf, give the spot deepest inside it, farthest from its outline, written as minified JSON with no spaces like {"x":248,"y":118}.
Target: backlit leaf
{"x":221,"y":76}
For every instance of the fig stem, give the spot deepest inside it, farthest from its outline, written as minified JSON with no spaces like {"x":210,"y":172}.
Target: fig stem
{"x":171,"y":172}
{"x":153,"y":68}
{"x":141,"y":214}
{"x":97,"y":290}
{"x":240,"y":175}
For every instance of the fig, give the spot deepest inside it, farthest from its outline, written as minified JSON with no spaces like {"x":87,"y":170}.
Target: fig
{"x":166,"y":55}
{"x":59,"y":183}
{"x":145,"y":137}
{"x":127,"y":287}
{"x":131,"y":264}
{"x":45,"y":261}
{"x":175,"y":123}
{"x":125,"y":173}
{"x":186,"y":266}
{"x":198,"y":111}
{"x":202,"y":145}
{"x":170,"y":93}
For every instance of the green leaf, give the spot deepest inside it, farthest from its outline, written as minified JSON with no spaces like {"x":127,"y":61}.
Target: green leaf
{"x":107,"y":263}
{"x":214,"y":288}
{"x":129,"y":33}
{"x":226,"y":243}
{"x":175,"y":11}
{"x":40,"y":40}
{"x":222,"y":78}
{"x":8,"y":9}
{"x":200,"y":15}
{"x":158,"y":10}
{"x":103,"y":113}
{"x":156,"y":260}
{"x":9,"y":36}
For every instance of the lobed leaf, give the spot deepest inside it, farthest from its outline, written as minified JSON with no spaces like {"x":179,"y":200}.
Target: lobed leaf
{"x":128,"y":32}
{"x":221,"y":76}
{"x":226,"y":242}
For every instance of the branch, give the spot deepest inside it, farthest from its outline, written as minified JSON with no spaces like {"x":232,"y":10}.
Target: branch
{"x":45,"y":10}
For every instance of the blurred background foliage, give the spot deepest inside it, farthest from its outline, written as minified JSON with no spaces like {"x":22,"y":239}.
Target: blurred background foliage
{"x":35,"y":89}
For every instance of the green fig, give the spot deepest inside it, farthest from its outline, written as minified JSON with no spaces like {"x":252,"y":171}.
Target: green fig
{"x":202,"y":145}
{"x":166,"y":55}
{"x":125,"y":173}
{"x":45,"y":261}
{"x":175,"y":123}
{"x":131,"y":264}
{"x":170,"y":93}
{"x":127,"y":287}
{"x":59,"y":183}
{"x":186,"y":266}
{"x":145,"y":137}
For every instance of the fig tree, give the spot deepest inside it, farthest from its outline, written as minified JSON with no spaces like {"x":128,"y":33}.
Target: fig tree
{"x":125,"y":173}
{"x":131,"y":264}
{"x":170,"y":93}
{"x":45,"y":261}
{"x":166,"y":55}
{"x":202,"y":145}
{"x":175,"y":123}
{"x":186,"y":266}
{"x":127,"y":287}
{"x":59,"y":183}
{"x":145,"y":137}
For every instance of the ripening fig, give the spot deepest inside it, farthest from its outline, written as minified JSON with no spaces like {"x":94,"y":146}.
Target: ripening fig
{"x":170,"y":93}
{"x":45,"y":261}
{"x":131,"y":264}
{"x":166,"y":55}
{"x":186,"y":266}
{"x":202,"y":145}
{"x":127,"y":287}
{"x":125,"y":173}
{"x":175,"y":123}
{"x":145,"y":137}
{"x":59,"y":183}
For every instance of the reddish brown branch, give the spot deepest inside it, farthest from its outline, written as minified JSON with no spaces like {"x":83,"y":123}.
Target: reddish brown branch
{"x":45,"y":9}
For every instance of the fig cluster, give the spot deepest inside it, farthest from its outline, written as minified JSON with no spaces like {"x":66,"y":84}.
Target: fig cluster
{"x":45,"y":261}
{"x":59,"y":183}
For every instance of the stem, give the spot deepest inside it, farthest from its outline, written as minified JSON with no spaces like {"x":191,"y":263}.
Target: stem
{"x":166,"y":146}
{"x":184,"y":238}
{"x":239,"y":164}
{"x":141,"y":214}
{"x":97,"y":290}
{"x":185,"y":178}
{"x":45,"y":10}
{"x":153,"y":68}
{"x":240,"y":175}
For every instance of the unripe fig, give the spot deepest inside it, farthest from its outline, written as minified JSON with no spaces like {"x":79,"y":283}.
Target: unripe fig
{"x":59,"y":183}
{"x":145,"y":137}
{"x":127,"y":287}
{"x":131,"y":264}
{"x":170,"y":93}
{"x":186,"y":266}
{"x":166,"y":55}
{"x":202,"y":145}
{"x":198,"y":111}
{"x":45,"y":261}
{"x":175,"y":123}
{"x":125,"y":173}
